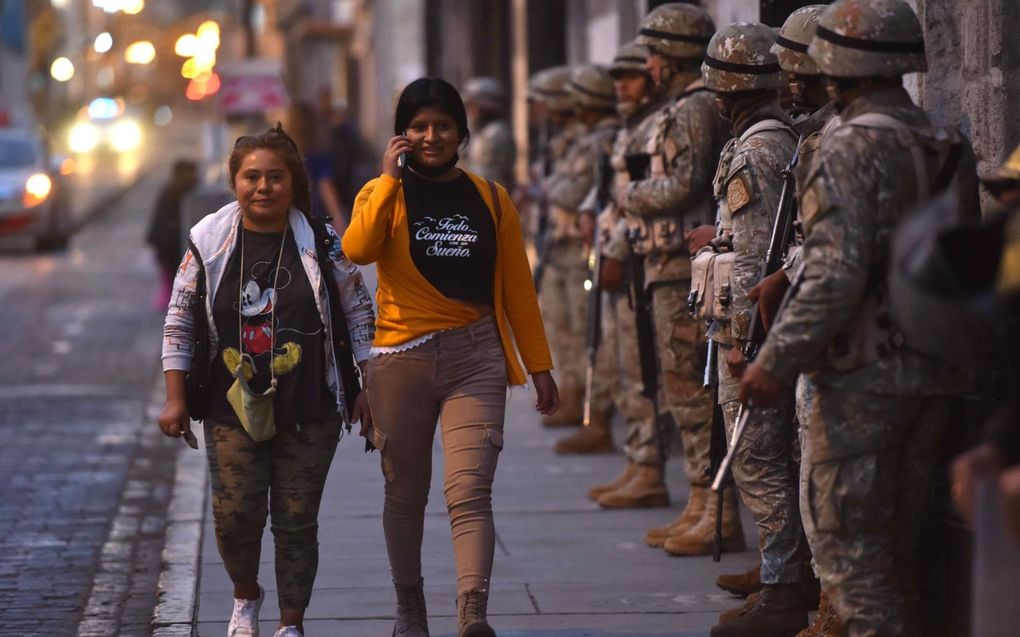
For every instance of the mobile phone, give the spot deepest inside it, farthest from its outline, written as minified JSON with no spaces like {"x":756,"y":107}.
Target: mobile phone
{"x":190,"y":439}
{"x":402,"y":160}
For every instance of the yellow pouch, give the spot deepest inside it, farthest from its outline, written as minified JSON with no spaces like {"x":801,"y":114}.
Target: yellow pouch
{"x":255,"y":411}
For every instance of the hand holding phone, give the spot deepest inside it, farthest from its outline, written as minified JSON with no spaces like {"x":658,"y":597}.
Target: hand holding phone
{"x":395,"y":157}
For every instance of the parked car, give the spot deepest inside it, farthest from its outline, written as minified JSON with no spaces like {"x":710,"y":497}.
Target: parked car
{"x":32,"y":197}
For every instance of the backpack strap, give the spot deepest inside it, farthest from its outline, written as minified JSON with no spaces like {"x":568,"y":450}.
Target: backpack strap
{"x":497,"y":206}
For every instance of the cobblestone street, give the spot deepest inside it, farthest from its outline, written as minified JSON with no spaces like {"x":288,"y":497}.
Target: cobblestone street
{"x":86,"y":474}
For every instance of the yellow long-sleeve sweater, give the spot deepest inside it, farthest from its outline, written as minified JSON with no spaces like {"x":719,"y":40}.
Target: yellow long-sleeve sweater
{"x":409,"y":307}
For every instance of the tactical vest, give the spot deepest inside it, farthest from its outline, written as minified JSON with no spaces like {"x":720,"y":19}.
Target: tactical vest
{"x":663,"y":234}
{"x":872,"y":334}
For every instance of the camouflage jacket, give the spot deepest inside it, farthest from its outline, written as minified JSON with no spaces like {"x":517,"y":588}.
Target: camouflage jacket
{"x":865,"y":178}
{"x":492,"y":153}
{"x":682,"y":145}
{"x":811,"y":129}
{"x":574,"y":176}
{"x":747,"y":185}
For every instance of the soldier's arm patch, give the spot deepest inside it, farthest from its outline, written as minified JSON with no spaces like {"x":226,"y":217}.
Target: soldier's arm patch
{"x":738,"y":193}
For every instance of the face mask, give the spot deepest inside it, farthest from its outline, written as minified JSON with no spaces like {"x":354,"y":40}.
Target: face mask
{"x":255,"y":411}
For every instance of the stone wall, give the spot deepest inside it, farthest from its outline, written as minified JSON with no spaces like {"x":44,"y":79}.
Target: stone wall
{"x":973,"y":80}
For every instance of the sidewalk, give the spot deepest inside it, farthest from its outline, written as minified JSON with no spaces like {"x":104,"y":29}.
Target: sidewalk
{"x":564,"y":567}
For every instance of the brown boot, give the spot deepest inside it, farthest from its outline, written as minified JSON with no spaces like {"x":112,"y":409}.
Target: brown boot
{"x":742,"y":584}
{"x":692,"y":512}
{"x":595,"y":438}
{"x":827,"y":622}
{"x":776,"y":611}
{"x":621,"y":480}
{"x":697,"y":540}
{"x":471,"y":619}
{"x":571,"y":409}
{"x":646,"y":489}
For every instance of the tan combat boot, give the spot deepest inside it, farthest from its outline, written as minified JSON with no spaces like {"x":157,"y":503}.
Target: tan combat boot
{"x":742,"y":584}
{"x":571,"y":409}
{"x":646,"y":489}
{"x":597,"y":437}
{"x":827,"y":622}
{"x":697,"y":540}
{"x":776,"y":611}
{"x":620,"y":480}
{"x":695,"y":508}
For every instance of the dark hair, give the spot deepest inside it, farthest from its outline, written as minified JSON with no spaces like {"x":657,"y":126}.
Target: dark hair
{"x":280,"y":143}
{"x":430,"y":92}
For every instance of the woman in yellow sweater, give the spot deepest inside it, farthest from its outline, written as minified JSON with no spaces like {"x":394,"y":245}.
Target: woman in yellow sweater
{"x":455,"y":293}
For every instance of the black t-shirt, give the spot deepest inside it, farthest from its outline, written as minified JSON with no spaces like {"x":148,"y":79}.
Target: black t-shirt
{"x":289,"y":311}
{"x":452,"y":236}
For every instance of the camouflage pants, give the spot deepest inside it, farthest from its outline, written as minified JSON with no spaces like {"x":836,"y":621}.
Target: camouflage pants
{"x":682,"y":351}
{"x":766,"y":473}
{"x":282,"y":477}
{"x":869,"y":463}
{"x":617,"y":383}
{"x":564,"y":310}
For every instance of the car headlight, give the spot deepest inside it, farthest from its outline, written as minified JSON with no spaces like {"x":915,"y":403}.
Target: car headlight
{"x":125,"y":135}
{"x":37,"y":189}
{"x":83,"y":138}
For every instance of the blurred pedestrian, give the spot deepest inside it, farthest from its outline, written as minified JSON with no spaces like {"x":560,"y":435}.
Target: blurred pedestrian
{"x":164,"y":233}
{"x":280,"y":369}
{"x":308,"y":132}
{"x":351,"y":167}
{"x":454,"y":294}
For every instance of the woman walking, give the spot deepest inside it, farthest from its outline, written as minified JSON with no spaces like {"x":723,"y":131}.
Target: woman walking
{"x":266,"y":309}
{"x":454,"y":293}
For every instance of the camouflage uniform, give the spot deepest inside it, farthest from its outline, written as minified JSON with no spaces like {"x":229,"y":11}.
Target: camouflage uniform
{"x":881,"y":406}
{"x":284,"y":477}
{"x":618,"y":382}
{"x":748,"y":184}
{"x":491,"y":152}
{"x":683,"y":144}
{"x":572,"y":179}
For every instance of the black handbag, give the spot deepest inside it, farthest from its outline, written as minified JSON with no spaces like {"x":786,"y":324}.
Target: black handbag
{"x":197,"y":393}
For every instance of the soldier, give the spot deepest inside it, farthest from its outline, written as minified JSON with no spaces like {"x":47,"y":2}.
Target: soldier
{"x":681,"y":150}
{"x":491,"y":152}
{"x":560,"y":269}
{"x":617,"y":379}
{"x":880,"y":405}
{"x":746,"y":78}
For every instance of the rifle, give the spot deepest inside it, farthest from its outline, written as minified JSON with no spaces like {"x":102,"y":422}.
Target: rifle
{"x":543,"y":246}
{"x":593,"y":329}
{"x":717,"y":446}
{"x":779,"y":243}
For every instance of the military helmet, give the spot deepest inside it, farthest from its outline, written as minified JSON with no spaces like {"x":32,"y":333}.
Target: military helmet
{"x":486,"y":91}
{"x":739,"y":59}
{"x":549,"y":86}
{"x":676,"y":30}
{"x":794,"y":38}
{"x":591,"y":87}
{"x":867,"y":38}
{"x":629,"y":59}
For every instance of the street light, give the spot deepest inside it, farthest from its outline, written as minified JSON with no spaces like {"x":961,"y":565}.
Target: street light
{"x":186,"y":45}
{"x":141,"y":52}
{"x":103,"y":43}
{"x":62,"y":69}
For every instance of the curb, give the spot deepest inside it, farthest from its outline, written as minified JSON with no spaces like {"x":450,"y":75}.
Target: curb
{"x":177,"y":591}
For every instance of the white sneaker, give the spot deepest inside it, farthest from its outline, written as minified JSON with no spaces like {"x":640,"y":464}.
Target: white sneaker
{"x":288,"y":631}
{"x":244,"y":622}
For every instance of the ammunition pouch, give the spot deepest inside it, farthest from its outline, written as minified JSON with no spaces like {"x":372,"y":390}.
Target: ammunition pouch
{"x":711,"y":285}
